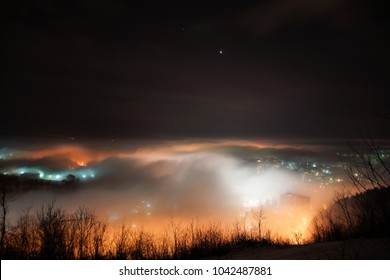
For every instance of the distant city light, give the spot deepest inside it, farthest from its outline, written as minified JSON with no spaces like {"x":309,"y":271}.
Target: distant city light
{"x":81,"y":163}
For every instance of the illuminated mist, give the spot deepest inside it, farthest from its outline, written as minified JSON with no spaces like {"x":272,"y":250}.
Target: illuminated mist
{"x":147,"y":184}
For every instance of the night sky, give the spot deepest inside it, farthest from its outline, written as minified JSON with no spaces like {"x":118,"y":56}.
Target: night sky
{"x":282,"y":69}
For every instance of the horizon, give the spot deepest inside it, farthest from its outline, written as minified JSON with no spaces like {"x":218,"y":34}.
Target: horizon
{"x":145,"y":183}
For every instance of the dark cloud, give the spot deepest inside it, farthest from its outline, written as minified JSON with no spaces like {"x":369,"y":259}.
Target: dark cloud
{"x":269,"y":17}
{"x":148,"y":69}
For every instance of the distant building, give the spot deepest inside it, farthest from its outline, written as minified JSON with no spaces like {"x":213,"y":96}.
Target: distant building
{"x":294,"y":200}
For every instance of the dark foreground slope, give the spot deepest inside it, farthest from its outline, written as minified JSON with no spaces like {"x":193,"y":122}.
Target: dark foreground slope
{"x":363,"y":249}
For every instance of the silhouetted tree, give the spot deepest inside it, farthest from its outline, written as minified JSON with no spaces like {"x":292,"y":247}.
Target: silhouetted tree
{"x":5,"y":199}
{"x":362,"y":209}
{"x":25,"y":238}
{"x":53,"y":232}
{"x":259,"y":217}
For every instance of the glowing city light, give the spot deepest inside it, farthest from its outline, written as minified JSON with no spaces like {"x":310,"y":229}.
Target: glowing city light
{"x":81,"y":163}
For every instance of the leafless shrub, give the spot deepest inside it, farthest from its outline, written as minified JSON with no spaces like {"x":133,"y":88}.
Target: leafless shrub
{"x":25,"y":238}
{"x":5,"y":198}
{"x":52,"y":232}
{"x":362,"y":209}
{"x":259,"y":220}
{"x":122,"y":244}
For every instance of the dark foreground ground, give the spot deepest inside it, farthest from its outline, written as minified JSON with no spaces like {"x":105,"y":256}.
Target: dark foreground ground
{"x":364,"y":249}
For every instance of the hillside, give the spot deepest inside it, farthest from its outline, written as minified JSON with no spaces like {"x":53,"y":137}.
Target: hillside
{"x":363,"y":249}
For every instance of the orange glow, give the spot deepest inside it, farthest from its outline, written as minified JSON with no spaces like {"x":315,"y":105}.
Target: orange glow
{"x":187,"y":180}
{"x":149,"y":152}
{"x":68,"y":152}
{"x":80,"y":163}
